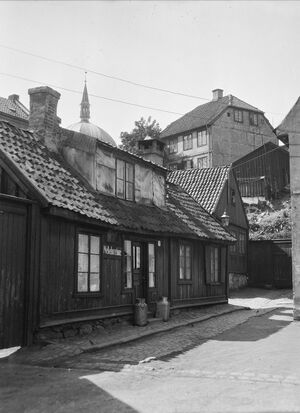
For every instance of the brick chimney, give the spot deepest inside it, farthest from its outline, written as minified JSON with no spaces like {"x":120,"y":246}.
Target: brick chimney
{"x":152,"y":150}
{"x":217,"y":94}
{"x":43,"y":117}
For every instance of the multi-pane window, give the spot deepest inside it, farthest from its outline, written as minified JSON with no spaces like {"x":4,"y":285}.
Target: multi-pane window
{"x":238,"y":116}
{"x":127,"y":264}
{"x":173,"y":145}
{"x":188,"y":164}
{"x":185,"y":262}
{"x":151,"y":266}
{"x":212,"y":264}
{"x":202,"y":138}
{"x":88,"y":264}
{"x":187,"y":142}
{"x":202,"y":162}
{"x":125,"y":180}
{"x":253,"y":118}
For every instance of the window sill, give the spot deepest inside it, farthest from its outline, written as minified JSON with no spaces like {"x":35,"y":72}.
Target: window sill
{"x":215,"y":283}
{"x":184,"y":282}
{"x":97,"y":294}
{"x":127,"y":290}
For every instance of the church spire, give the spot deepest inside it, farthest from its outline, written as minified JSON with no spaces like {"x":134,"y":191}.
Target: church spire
{"x":85,"y":105}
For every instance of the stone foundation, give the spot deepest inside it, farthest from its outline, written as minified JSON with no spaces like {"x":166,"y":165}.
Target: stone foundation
{"x":237,"y":281}
{"x":46,"y":335}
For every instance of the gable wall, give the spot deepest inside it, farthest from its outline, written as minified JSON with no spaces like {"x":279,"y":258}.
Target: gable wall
{"x":232,"y":140}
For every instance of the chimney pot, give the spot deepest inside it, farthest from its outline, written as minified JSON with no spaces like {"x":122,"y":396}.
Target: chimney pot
{"x":14,"y":98}
{"x":217,"y":94}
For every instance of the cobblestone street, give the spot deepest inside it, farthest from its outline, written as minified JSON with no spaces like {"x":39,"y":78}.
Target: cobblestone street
{"x":162,"y":346}
{"x":235,"y":362}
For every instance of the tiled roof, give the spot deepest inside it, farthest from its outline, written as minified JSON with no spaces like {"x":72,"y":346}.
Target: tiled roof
{"x":204,"y":115}
{"x":13,"y":108}
{"x":60,"y":187}
{"x":194,"y":216}
{"x":204,"y":185}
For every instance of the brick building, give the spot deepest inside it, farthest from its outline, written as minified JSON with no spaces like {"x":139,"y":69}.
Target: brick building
{"x":216,"y":133}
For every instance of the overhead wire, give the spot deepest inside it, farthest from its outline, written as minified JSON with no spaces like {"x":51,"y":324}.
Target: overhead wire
{"x":120,"y":79}
{"x":124,"y":102}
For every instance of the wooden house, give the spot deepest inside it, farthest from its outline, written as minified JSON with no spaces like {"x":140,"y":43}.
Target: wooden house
{"x":216,"y":133}
{"x":86,"y":228}
{"x":217,"y":191}
{"x":263,"y":173}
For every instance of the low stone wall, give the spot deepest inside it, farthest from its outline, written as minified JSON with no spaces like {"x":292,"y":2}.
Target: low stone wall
{"x":237,"y":281}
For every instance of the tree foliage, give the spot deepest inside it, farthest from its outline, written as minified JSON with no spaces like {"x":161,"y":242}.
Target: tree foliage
{"x":142,"y":128}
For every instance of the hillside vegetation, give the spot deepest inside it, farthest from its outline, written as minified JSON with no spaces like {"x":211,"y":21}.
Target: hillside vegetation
{"x":270,"y":220}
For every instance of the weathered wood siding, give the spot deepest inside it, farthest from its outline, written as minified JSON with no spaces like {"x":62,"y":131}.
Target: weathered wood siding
{"x":270,"y":263}
{"x":196,"y":290}
{"x":58,"y":265}
{"x":13,"y":237}
{"x":263,"y":172}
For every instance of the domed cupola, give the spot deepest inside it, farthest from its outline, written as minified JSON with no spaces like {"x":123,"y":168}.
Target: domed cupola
{"x":85,"y":126}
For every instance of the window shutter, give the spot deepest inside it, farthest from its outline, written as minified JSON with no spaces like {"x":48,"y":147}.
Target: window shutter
{"x":223,"y":264}
{"x":207,"y":265}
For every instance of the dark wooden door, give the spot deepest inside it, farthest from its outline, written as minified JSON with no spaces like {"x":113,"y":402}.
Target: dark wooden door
{"x":138,"y":269}
{"x":282,"y":265}
{"x":13,"y":224}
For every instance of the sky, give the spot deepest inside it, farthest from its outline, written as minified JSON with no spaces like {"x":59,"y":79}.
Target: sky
{"x":248,"y":49}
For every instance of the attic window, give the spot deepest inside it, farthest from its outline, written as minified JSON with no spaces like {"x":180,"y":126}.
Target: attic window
{"x":253,"y":118}
{"x":125,"y":180}
{"x":238,"y":116}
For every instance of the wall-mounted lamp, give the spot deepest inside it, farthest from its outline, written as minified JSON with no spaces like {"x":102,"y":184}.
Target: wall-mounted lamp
{"x":225,"y":219}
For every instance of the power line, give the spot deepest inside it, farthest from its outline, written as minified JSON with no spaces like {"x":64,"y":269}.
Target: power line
{"x":120,"y":79}
{"x":124,"y":102}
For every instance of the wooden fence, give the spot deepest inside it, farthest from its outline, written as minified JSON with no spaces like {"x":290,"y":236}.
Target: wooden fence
{"x":270,"y":263}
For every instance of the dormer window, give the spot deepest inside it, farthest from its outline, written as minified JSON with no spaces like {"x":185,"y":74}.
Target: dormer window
{"x":125,"y":180}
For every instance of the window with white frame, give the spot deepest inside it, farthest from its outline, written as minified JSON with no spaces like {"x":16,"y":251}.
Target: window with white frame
{"x":127,"y":270}
{"x":187,"y":142}
{"x":125,"y":180}
{"x":202,"y":138}
{"x":185,"y":261}
{"x":88,"y":263}
{"x":151,"y":265}
{"x":202,"y":162}
{"x":238,"y":116}
{"x":173,"y":145}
